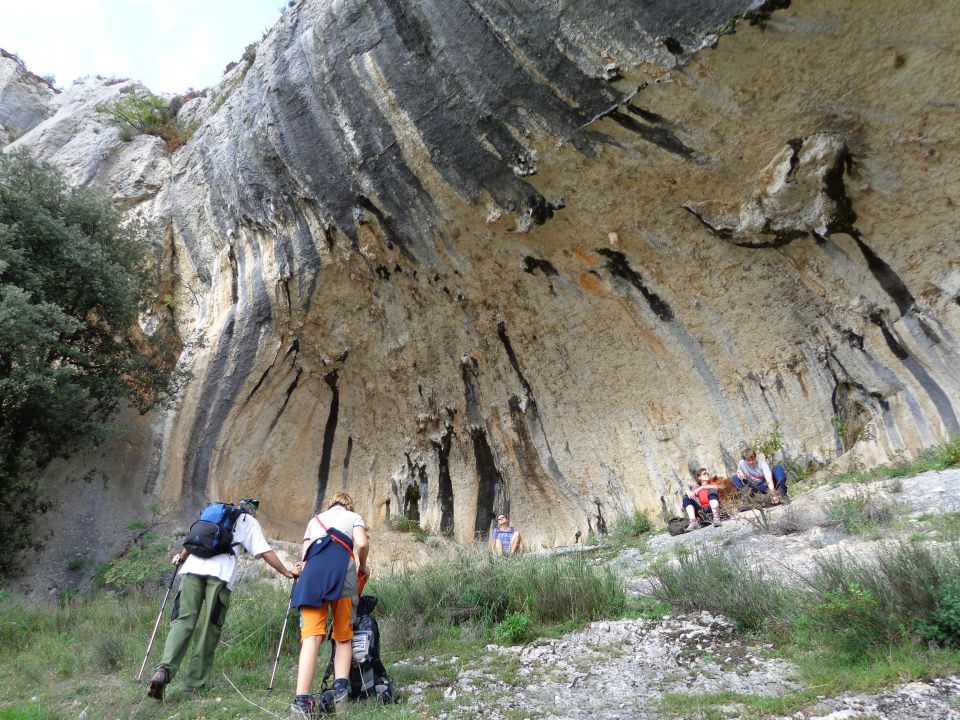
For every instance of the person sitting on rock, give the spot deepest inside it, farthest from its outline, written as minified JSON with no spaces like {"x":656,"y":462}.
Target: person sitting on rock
{"x":756,"y":475}
{"x":505,"y":540}
{"x":706,"y":493}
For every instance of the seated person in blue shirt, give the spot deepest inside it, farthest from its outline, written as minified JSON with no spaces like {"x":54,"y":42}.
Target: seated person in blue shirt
{"x":505,"y":540}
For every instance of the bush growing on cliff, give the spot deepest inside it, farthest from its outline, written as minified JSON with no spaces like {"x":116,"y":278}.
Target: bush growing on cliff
{"x":73,"y":279}
{"x":136,"y":113}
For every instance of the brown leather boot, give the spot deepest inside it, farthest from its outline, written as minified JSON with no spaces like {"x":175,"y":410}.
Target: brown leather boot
{"x":158,"y":682}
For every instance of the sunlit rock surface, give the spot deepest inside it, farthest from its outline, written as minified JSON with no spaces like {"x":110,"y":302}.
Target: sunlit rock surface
{"x":456,"y":257}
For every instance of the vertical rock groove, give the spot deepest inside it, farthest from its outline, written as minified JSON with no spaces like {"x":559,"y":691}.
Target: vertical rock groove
{"x":329,"y":432}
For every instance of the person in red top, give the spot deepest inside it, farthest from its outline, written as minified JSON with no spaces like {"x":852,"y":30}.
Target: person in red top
{"x":702,"y":495}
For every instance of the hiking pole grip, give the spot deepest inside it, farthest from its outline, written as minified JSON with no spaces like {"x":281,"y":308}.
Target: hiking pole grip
{"x":283,"y":629}
{"x":173,"y":579}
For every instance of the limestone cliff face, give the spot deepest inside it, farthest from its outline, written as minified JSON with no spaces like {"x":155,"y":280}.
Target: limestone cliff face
{"x":457,"y":257}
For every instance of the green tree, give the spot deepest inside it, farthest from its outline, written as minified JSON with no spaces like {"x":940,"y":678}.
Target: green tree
{"x":73,"y":278}
{"x":149,"y":114}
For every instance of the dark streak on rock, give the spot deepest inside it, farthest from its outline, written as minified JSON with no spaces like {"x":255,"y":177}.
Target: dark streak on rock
{"x":649,"y":116}
{"x":489,"y":482}
{"x":286,"y":399}
{"x":619,"y":267}
{"x":722,"y":233}
{"x":471,"y":392}
{"x":762,"y":14}
{"x":940,"y":399}
{"x":444,"y":484}
{"x":323,"y":472}
{"x":512,"y":356}
{"x":346,"y":460}
{"x":226,"y":374}
{"x":853,"y":339}
{"x":661,"y":137}
{"x":885,"y":275}
{"x":545,"y":266}
{"x":673,"y":46}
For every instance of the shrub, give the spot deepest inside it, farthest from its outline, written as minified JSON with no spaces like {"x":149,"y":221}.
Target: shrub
{"x":860,"y":512}
{"x":709,"y":580}
{"x":943,"y":626}
{"x":633,"y":527}
{"x":108,"y":652}
{"x":768,"y":443}
{"x":148,"y":114}
{"x":862,"y":605}
{"x":404,"y":524}
{"x":515,"y":628}
{"x":480,"y":590}
{"x":790,"y":521}
{"x":950,"y":451}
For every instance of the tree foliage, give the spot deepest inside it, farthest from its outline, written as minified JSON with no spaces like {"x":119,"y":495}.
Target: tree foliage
{"x":73,"y":278}
{"x":136,"y":113}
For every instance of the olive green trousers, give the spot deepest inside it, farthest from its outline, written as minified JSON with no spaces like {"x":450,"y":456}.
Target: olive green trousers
{"x":199,"y":594}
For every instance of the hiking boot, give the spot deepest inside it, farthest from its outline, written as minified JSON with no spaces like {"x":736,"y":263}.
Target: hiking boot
{"x":716,"y":520}
{"x":694,"y":525}
{"x":341,"y":695}
{"x":304,"y":707}
{"x":784,"y":499}
{"x":158,"y":682}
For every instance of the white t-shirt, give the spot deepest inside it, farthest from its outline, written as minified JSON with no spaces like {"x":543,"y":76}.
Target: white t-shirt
{"x":247,"y":533}
{"x":336,"y":517}
{"x":759,"y":471}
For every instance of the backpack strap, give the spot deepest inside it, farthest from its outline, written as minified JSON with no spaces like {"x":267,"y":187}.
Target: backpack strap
{"x":334,"y":537}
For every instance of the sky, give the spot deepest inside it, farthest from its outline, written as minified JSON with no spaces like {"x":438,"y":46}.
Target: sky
{"x":169,"y":45}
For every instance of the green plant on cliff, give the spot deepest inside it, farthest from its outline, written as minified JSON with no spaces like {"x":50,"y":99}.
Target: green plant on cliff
{"x":769,"y":442}
{"x":136,"y":113}
{"x":73,"y":278}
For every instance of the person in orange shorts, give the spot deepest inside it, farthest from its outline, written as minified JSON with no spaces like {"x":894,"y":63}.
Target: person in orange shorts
{"x":335,"y":550}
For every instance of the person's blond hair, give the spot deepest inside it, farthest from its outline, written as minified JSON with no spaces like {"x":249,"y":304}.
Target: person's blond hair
{"x":341,"y":498}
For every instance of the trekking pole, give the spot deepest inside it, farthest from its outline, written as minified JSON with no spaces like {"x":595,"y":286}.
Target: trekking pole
{"x":156,"y":625}
{"x":276,"y":660}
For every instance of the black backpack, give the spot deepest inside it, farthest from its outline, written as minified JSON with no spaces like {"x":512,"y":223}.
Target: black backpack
{"x":368,"y":676}
{"x":212,"y":533}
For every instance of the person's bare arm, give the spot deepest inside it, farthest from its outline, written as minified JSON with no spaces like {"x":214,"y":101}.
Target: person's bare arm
{"x":270,"y":557}
{"x":767,"y":475}
{"x":361,"y":546}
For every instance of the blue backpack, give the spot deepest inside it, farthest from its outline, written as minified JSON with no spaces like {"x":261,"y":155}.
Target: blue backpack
{"x":212,"y":533}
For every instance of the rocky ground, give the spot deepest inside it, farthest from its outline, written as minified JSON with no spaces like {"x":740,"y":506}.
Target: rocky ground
{"x":623,"y":669}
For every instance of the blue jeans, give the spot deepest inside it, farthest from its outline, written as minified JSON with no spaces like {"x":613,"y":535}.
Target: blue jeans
{"x":779,"y":480}
{"x":699,"y":511}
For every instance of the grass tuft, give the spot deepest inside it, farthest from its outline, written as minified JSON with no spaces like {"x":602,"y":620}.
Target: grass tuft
{"x":712,"y":581}
{"x":861,"y":512}
{"x":469,"y":589}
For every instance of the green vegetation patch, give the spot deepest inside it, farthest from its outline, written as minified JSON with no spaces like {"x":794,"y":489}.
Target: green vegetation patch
{"x":481,"y":591}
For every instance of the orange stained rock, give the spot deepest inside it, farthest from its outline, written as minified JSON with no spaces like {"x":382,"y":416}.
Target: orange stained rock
{"x":590,"y":283}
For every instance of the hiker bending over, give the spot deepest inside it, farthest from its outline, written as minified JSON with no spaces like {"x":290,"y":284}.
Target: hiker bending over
{"x":755,"y":474}
{"x":700,"y":496}
{"x":335,"y":550}
{"x":505,"y":540}
{"x":205,"y":585}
